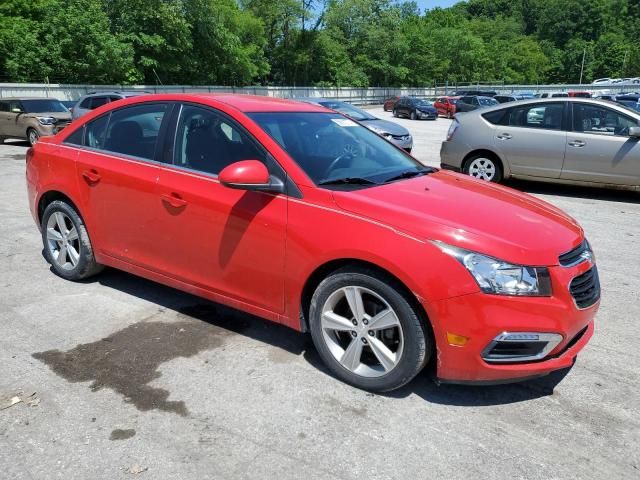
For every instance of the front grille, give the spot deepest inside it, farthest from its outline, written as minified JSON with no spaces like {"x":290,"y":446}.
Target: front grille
{"x":578,"y":255}
{"x":585,"y":288}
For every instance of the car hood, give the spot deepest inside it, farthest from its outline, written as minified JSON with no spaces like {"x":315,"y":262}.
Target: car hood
{"x":427,"y":108}
{"x":56,"y":115}
{"x":387,"y":126}
{"x":471,"y":214}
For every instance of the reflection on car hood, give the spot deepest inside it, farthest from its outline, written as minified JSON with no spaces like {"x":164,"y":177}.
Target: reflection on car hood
{"x":469,"y":213}
{"x":427,"y":108}
{"x":387,"y":126}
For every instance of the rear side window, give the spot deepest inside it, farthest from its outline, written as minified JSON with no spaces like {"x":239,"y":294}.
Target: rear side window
{"x":547,"y":116}
{"x":76,"y":138}
{"x":207,"y":142}
{"x":98,"y":102}
{"x":86,"y":103}
{"x":134,"y":130}
{"x":497,"y":117}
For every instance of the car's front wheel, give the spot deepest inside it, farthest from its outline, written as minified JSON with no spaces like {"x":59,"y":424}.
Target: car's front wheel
{"x":414,"y":115}
{"x":483,"y":167}
{"x":32,"y":136}
{"x":366,"y":330}
{"x":395,"y":113}
{"x":66,"y":242}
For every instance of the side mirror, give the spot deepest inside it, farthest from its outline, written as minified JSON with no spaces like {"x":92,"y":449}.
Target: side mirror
{"x":250,"y":175}
{"x":634,"y":132}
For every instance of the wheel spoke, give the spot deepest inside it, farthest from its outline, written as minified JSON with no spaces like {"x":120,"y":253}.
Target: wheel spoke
{"x":351,"y":356}
{"x":354,"y":299}
{"x":73,"y":234}
{"x":333,"y":321}
{"x":61,"y":258}
{"x":61,"y":223}
{"x":73,"y":254}
{"x":385,"y":356}
{"x":54,"y":235}
{"x":384,"y":319}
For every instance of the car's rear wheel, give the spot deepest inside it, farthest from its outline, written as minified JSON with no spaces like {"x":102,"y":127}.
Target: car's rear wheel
{"x":67,"y":246}
{"x":484,"y":167}
{"x":32,"y":136}
{"x":395,"y":113}
{"x":414,"y":115}
{"x":366,"y":331}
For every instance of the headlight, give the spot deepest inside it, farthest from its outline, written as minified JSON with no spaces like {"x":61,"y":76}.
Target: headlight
{"x":499,"y":277}
{"x":47,"y":120}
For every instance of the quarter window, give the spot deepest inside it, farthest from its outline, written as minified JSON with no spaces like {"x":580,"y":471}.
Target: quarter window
{"x":600,"y":121}
{"x":96,"y":131}
{"x":207,"y":142}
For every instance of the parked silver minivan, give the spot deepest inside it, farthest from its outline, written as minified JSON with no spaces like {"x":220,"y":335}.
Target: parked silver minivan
{"x":566,"y":140}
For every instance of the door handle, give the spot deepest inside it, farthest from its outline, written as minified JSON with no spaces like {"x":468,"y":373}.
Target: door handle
{"x":174,"y":200}
{"x":577,"y":143}
{"x":91,"y":176}
{"x":504,"y":136}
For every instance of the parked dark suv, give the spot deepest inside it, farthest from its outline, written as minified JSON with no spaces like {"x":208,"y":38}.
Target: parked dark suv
{"x":415,"y":109}
{"x":469,"y":103}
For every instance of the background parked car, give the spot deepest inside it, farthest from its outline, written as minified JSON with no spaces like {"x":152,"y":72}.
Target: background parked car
{"x":554,"y":95}
{"x":481,"y":93}
{"x":69,"y":104}
{"x":505,"y":98}
{"x":389,"y":103}
{"x":569,"y":140}
{"x":32,"y":118}
{"x":579,"y":94}
{"x":393,"y":132}
{"x":630,"y":104}
{"x":446,"y":106}
{"x":469,"y":103}
{"x":96,"y":99}
{"x":415,"y":109}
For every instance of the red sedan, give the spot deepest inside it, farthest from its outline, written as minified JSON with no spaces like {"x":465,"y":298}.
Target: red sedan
{"x":446,"y":106}
{"x":389,"y":103}
{"x":300,"y":215}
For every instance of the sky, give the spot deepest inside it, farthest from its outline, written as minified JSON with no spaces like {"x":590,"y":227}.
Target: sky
{"x":435,"y":3}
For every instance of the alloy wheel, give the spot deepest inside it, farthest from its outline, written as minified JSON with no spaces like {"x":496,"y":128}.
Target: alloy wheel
{"x":33,"y":137}
{"x":482,"y":168}
{"x":362,"y":331}
{"x":63,"y":241}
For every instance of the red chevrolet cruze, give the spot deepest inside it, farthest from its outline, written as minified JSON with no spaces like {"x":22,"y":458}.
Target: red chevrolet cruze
{"x":299,"y":215}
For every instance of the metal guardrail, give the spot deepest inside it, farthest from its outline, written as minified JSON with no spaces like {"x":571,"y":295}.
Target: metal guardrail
{"x":361,"y":96}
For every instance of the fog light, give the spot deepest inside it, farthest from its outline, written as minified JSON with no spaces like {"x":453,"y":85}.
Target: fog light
{"x":457,"y":340}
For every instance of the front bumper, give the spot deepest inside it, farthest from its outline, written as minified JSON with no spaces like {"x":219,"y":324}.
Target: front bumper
{"x":402,"y":141}
{"x":481,"y":317}
{"x":427,"y":115}
{"x":452,"y":154}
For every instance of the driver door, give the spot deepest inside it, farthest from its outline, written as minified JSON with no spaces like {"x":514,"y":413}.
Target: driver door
{"x":230,"y":242}
{"x":599,"y":148}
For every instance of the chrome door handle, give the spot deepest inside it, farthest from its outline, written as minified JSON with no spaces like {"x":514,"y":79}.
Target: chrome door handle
{"x":577,"y":143}
{"x":504,"y":136}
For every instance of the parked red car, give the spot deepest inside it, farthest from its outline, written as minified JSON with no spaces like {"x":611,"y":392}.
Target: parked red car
{"x":297,"y":214}
{"x":389,"y":103}
{"x":446,"y":106}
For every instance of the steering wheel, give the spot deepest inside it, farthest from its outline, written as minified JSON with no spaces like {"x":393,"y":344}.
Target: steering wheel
{"x":351,"y":150}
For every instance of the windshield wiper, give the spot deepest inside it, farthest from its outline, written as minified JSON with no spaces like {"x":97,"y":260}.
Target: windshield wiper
{"x":409,"y":174}
{"x":347,"y":181}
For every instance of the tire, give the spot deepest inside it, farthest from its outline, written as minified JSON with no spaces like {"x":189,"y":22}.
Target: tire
{"x":407,"y":341}
{"x":449,"y":116}
{"x":395,"y":113}
{"x":414,"y":116}
{"x":80,"y":264}
{"x":484,"y":167}
{"x":32,"y":136}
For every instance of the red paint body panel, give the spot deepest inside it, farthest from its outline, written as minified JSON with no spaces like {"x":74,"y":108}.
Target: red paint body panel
{"x":255,"y":251}
{"x":246,"y":172}
{"x":446,"y":106}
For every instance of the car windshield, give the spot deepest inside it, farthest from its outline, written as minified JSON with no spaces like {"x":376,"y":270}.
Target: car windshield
{"x":44,"y":105}
{"x":423,"y":103}
{"x":335,"y":151}
{"x":487,"y":101}
{"x":349,"y":110}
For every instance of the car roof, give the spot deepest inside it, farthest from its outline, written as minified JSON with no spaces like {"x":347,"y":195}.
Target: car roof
{"x":542,"y":101}
{"x":27,"y":98}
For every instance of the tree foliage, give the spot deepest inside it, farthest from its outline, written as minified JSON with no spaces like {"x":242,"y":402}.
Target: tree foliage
{"x":317,"y":42}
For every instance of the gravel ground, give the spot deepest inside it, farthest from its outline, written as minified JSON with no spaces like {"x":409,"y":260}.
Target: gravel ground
{"x":120,"y":377}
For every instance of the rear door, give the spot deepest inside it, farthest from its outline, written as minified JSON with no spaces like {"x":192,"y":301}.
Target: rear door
{"x":14,"y":117}
{"x":599,"y":148}
{"x":4,"y":119}
{"x":531,"y":138}
{"x":118,"y":173}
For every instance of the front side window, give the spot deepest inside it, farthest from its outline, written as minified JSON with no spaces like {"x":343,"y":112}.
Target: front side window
{"x":600,"y":120}
{"x":333,"y":150}
{"x":547,"y":116}
{"x":207,"y":141}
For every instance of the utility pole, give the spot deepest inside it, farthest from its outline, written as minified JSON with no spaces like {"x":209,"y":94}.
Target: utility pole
{"x":584,"y":54}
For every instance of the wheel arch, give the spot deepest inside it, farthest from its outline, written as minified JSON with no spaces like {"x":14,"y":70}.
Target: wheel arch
{"x":324,"y":270}
{"x":506,"y":171}
{"x":51,"y":196}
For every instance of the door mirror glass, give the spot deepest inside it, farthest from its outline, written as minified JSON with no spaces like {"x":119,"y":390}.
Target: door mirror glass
{"x":249,"y":175}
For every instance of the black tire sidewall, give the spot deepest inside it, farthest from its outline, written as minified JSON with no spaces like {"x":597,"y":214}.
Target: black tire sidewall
{"x":86,"y":263}
{"x":497,"y":178}
{"x":414,"y":115}
{"x":417,"y":344}
{"x":29,"y":136}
